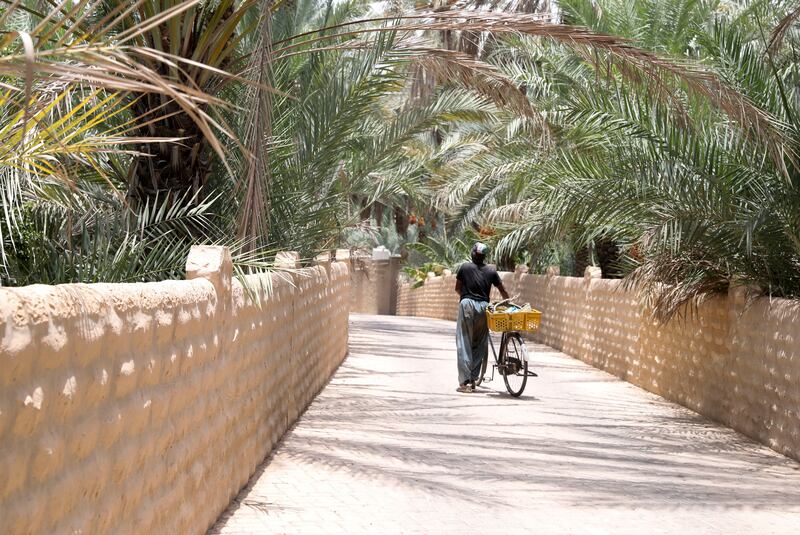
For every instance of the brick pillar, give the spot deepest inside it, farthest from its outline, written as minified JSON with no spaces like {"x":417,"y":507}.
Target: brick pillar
{"x":212,"y":262}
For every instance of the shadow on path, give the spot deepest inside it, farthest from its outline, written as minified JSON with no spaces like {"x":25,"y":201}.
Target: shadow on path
{"x":389,"y":440}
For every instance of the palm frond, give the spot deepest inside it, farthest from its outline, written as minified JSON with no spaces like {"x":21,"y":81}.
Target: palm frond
{"x":779,"y":31}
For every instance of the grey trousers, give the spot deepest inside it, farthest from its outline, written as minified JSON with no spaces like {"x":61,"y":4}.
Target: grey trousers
{"x":472,"y":338}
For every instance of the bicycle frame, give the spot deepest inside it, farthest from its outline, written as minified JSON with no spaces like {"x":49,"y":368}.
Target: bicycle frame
{"x":503,"y":337}
{"x":494,"y":353}
{"x":491,"y":343}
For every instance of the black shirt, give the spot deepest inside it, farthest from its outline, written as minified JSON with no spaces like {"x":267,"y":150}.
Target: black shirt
{"x":476,"y":280}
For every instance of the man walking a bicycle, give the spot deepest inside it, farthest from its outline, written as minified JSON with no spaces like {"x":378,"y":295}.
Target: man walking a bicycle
{"x":474,"y":281}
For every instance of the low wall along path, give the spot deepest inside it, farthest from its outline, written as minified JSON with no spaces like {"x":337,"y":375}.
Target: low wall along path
{"x":736,"y":364}
{"x":144,"y":408}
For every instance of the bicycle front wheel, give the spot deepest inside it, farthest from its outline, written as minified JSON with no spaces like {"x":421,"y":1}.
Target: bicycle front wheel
{"x":513,"y":364}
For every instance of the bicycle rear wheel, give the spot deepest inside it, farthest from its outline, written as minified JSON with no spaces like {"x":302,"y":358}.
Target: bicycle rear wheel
{"x":513,"y":364}
{"x":484,"y":364}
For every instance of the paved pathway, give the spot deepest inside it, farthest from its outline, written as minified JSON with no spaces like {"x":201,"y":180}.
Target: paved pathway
{"x":390,"y":447}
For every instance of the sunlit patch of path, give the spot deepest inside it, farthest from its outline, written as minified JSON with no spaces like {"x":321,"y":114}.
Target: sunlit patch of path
{"x":389,"y":446}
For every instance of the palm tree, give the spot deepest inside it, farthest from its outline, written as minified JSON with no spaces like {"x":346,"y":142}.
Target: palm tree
{"x":695,"y":202}
{"x":204,"y":44}
{"x":326,"y":92}
{"x":67,"y":135}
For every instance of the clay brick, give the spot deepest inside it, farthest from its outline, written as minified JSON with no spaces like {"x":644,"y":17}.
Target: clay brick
{"x":83,"y":439}
{"x":17,"y":354}
{"x":28,"y":409}
{"x":26,"y":514}
{"x":14,"y":465}
{"x":98,"y":385}
{"x":47,"y":458}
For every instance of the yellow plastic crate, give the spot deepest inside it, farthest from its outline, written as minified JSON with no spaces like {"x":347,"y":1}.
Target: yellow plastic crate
{"x":514,"y":321}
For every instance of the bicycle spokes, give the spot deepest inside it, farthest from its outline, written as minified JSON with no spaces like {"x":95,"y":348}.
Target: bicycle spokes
{"x":513,"y":364}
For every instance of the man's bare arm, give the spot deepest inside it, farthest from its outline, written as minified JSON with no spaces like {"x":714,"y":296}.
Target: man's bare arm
{"x":458,"y":287}
{"x":503,"y":291}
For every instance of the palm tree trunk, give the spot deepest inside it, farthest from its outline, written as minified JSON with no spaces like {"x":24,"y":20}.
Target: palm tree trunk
{"x":608,"y":257}
{"x":401,"y":222}
{"x":583,"y":259}
{"x":170,"y":168}
{"x":366,"y":210}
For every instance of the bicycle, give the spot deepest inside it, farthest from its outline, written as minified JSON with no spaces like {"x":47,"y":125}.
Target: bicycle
{"x":512,"y":360}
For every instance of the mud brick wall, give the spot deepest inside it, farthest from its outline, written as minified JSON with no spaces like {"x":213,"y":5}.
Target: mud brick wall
{"x":144,"y":408}
{"x":736,"y":364}
{"x":373,"y":285}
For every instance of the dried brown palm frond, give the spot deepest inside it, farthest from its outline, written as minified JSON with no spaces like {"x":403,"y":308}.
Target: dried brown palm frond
{"x":254,"y":215}
{"x":514,"y":212}
{"x":630,"y":61}
{"x":661,"y":88}
{"x":115,"y":68}
{"x":419,"y":14}
{"x":450,"y":65}
{"x":460,"y":68}
{"x":693,"y":281}
{"x":180,"y":52}
{"x":779,"y":32}
{"x":100,"y":66}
